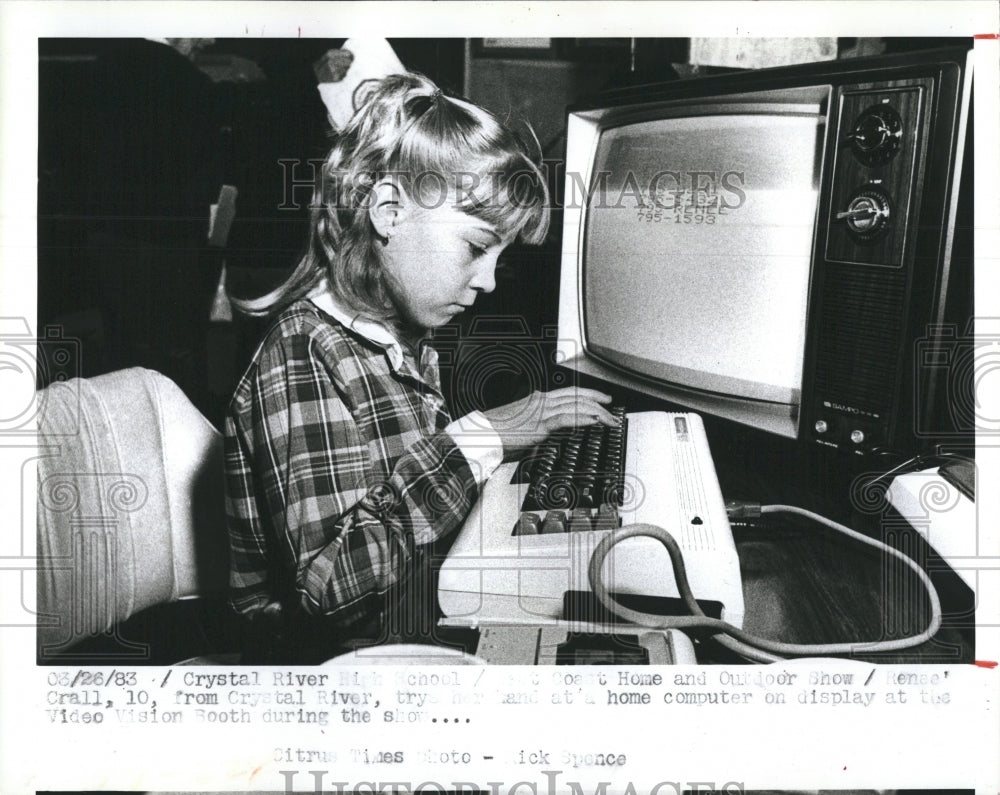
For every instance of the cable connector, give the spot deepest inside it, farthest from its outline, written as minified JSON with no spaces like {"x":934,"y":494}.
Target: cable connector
{"x":742,"y":509}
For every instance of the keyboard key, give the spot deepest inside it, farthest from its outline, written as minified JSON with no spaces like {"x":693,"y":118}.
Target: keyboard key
{"x":555,"y":522}
{"x":579,"y":521}
{"x":527,"y":525}
{"x":607,"y":518}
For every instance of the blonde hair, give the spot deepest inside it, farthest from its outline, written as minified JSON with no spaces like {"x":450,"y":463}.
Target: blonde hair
{"x":441,"y":148}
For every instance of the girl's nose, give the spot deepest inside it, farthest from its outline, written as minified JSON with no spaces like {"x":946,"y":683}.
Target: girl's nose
{"x":483,"y":280}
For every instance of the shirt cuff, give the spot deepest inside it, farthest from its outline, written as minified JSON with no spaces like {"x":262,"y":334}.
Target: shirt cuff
{"x":478,"y":442}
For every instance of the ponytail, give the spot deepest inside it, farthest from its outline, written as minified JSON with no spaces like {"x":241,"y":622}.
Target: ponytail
{"x":405,"y":125}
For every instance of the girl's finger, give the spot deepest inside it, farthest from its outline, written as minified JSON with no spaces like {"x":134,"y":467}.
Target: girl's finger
{"x":575,"y":393}
{"x":579,"y":416}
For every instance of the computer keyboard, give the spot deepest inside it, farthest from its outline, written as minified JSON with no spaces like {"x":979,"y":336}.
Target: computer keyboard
{"x":528,"y":540}
{"x":574,"y":481}
{"x":576,"y":467}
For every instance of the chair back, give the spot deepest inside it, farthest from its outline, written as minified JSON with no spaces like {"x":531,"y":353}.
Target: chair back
{"x":130,"y":503}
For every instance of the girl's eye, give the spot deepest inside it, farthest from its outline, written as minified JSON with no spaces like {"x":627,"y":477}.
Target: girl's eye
{"x":477,"y":251}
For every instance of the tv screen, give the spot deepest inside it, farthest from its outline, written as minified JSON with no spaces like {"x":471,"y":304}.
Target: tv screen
{"x":698,"y":234}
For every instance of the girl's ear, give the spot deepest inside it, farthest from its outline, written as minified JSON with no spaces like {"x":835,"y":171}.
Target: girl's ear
{"x":389,"y":205}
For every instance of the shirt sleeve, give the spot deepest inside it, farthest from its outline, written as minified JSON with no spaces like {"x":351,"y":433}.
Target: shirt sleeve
{"x":479,"y":443}
{"x":347,"y":536}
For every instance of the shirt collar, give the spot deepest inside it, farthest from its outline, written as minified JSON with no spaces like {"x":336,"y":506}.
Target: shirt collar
{"x":371,"y":330}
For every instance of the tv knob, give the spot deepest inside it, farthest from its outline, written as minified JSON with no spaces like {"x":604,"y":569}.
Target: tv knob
{"x":876,"y":135}
{"x":821,"y":426}
{"x":867,"y":215}
{"x":857,"y":436}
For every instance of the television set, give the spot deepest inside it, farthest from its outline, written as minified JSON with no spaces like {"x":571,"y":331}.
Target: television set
{"x":786,"y":248}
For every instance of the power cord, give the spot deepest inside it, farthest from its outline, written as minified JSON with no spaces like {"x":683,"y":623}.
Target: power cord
{"x":752,"y":647}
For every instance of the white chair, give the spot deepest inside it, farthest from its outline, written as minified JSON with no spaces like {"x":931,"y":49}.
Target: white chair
{"x":130,"y":505}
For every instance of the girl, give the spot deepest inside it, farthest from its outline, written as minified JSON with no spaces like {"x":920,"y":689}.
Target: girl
{"x":342,"y":462}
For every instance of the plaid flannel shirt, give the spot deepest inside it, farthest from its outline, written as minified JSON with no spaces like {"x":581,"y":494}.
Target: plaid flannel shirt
{"x":340,"y":457}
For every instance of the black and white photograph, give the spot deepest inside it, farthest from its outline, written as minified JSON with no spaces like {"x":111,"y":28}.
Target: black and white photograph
{"x":466,"y":412}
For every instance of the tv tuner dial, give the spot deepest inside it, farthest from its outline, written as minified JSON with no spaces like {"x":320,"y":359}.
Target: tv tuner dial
{"x":868,"y":213}
{"x":876,"y":135}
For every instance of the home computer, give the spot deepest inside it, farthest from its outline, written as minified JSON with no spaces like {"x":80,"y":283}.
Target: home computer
{"x":784,"y":249}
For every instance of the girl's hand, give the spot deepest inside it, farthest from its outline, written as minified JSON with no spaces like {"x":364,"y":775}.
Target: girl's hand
{"x":527,"y":422}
